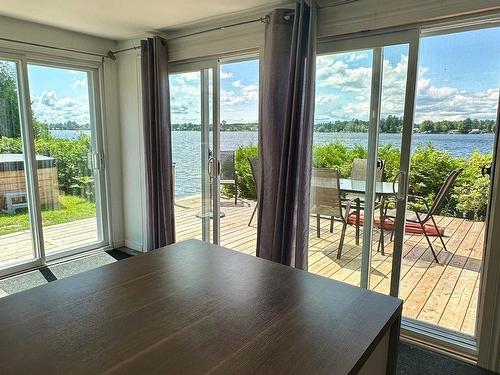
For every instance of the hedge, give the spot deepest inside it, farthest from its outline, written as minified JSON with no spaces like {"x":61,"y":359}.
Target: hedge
{"x":429,"y":168}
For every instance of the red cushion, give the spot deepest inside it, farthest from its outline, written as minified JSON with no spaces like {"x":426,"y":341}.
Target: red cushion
{"x":413,"y":228}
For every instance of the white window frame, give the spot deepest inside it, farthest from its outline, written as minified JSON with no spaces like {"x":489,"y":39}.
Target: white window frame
{"x":93,"y":67}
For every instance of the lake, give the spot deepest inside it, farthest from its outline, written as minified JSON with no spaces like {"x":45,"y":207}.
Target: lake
{"x":186,"y":148}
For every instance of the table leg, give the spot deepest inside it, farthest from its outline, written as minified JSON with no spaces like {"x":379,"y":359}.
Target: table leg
{"x":358,"y":212}
{"x":392,"y":360}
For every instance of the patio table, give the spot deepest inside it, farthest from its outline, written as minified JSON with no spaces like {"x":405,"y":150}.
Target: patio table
{"x":382,"y":190}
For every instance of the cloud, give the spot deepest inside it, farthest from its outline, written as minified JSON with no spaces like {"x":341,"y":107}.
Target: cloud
{"x":344,"y":93}
{"x":225,"y":75}
{"x":179,"y":109}
{"x":49,"y":108}
{"x":79,"y":84}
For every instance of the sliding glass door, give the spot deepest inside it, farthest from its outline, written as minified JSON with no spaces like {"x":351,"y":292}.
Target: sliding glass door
{"x":52,"y":193}
{"x":19,"y":243}
{"x":193,"y":151}
{"x":69,"y":164}
{"x":364,"y":110}
{"x":407,"y":161}
{"x":215,"y":191}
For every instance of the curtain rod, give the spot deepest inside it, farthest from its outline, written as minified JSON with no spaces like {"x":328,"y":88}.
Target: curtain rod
{"x":112,"y":54}
{"x":55,"y":48}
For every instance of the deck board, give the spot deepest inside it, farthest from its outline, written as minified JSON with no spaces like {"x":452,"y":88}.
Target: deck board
{"x":445,"y":294}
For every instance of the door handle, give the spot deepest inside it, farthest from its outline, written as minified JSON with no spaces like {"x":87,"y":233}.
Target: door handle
{"x":210,"y":167}
{"x":486,"y":170}
{"x":400,"y":179}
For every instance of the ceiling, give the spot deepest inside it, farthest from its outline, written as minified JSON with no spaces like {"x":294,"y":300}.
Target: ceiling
{"x":124,"y":19}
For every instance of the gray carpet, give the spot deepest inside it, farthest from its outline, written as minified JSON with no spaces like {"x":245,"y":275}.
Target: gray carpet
{"x":22,"y":282}
{"x":32,"y":279}
{"x":417,"y":361}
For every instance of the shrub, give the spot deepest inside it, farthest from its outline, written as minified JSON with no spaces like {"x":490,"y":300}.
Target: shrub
{"x":428,"y":170}
{"x":72,"y":157}
{"x":246,"y":185}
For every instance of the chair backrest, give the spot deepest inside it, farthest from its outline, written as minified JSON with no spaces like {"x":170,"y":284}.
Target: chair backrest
{"x":443,"y":192}
{"x":254,"y":166}
{"x":325,"y":192}
{"x":227,"y":164}
{"x":360,"y":166}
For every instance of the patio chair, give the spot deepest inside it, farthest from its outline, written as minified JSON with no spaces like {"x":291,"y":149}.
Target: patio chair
{"x":326,"y":201}
{"x":254,"y":166}
{"x":228,"y":175}
{"x":423,"y":218}
{"x":358,"y":172}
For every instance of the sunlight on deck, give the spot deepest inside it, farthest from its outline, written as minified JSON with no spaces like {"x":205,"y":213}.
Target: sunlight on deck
{"x":445,"y":294}
{"x":17,"y":247}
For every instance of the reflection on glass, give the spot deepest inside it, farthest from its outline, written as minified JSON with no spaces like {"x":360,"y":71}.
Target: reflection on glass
{"x":16,"y":244}
{"x":64,"y":143}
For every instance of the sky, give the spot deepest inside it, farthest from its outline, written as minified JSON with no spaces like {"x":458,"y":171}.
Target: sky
{"x":459,"y":77}
{"x":59,"y":95}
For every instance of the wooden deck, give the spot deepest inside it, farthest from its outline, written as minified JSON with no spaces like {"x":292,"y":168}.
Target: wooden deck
{"x":445,"y":294}
{"x":17,"y":247}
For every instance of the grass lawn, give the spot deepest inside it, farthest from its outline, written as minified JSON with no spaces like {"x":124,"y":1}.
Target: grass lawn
{"x":70,"y":209}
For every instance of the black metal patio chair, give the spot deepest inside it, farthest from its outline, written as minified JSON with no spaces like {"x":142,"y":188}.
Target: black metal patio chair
{"x":228,"y":175}
{"x":423,"y":218}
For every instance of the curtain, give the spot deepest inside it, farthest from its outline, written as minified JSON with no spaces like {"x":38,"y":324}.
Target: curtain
{"x":157,"y":144}
{"x":285,"y":137}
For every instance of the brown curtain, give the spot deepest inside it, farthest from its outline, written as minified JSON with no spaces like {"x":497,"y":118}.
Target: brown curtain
{"x":157,"y":143}
{"x":285,"y":138}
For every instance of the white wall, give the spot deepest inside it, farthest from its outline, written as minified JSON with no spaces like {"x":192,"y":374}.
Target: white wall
{"x":36,"y":33}
{"x":129,"y":74}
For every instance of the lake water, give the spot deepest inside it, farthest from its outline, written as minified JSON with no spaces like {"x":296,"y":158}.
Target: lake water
{"x":186,"y":148}
{"x":68,"y":134}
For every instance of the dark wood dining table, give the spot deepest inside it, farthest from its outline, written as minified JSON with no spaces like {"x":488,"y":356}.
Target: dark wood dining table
{"x":193,"y":308}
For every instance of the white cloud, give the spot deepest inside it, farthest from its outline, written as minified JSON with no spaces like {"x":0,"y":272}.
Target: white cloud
{"x":225,"y":75}
{"x":79,"y":83}
{"x":434,"y":101}
{"x":49,"y":108}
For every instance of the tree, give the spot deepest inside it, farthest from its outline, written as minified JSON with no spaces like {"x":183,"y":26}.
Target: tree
{"x":426,"y":126}
{"x":9,"y":106}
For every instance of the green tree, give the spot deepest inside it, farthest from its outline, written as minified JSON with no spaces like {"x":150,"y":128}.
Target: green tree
{"x":9,"y":106}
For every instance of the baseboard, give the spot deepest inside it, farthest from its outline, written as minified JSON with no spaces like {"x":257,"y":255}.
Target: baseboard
{"x":137,"y":246}
{"x":118,"y":244}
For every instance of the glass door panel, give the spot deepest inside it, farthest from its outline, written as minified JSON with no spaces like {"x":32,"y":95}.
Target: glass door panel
{"x":239,"y":93}
{"x":192,"y":152}
{"x":455,"y":125}
{"x":342,"y":115}
{"x":393,"y":94}
{"x":68,"y":162}
{"x":16,"y":232}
